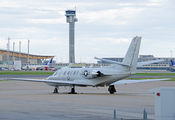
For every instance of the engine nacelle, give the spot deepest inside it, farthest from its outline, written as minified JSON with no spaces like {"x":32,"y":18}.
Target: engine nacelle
{"x":95,"y":73}
{"x":91,"y":74}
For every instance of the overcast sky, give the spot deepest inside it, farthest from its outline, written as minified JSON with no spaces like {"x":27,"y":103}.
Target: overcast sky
{"x":105,"y":28}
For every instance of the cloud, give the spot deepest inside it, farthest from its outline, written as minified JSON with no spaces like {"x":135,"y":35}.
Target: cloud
{"x":103,"y":29}
{"x":46,"y":21}
{"x":111,"y":16}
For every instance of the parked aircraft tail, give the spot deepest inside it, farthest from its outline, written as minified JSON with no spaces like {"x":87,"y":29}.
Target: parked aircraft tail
{"x":131,"y":56}
{"x":49,"y":63}
{"x":172,"y":62}
{"x":130,"y":60}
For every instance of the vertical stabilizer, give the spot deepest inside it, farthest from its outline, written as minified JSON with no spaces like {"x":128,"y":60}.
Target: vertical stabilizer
{"x":131,"y":56}
{"x":172,"y":62}
{"x":49,"y":62}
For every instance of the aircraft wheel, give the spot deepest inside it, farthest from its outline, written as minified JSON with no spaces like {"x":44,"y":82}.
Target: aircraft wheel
{"x":72,"y":90}
{"x":112,"y":89}
{"x":55,"y":90}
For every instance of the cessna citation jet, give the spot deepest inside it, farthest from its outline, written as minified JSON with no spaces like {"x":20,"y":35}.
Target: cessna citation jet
{"x":98,"y":77}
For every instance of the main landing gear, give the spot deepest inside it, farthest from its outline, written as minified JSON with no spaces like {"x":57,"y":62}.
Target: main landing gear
{"x":72,"y":90}
{"x":112,"y":89}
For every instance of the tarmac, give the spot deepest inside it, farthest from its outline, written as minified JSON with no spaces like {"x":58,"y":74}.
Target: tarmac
{"x":21,"y":100}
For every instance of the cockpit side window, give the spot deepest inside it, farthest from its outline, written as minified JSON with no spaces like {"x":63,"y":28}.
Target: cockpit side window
{"x":55,"y":73}
{"x":68,"y":72}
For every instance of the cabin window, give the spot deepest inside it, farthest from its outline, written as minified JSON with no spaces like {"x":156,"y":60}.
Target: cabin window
{"x":77,"y":72}
{"x":71,"y":72}
{"x":74,"y":73}
{"x":65,"y":72}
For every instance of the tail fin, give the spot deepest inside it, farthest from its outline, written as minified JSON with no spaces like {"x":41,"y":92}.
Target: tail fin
{"x":50,"y":61}
{"x":131,"y":56}
{"x":172,"y":62}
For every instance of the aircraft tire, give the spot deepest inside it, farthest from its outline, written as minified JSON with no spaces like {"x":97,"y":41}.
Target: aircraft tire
{"x":72,"y":90}
{"x":111,"y":89}
{"x":55,"y":90}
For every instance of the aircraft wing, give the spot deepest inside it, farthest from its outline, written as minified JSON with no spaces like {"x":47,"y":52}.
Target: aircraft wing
{"x":149,"y":62}
{"x":51,"y":81}
{"x":136,"y":81}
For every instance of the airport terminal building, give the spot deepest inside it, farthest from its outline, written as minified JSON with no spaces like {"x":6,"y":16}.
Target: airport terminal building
{"x":16,"y":56}
{"x":38,"y":60}
{"x":165,"y":65}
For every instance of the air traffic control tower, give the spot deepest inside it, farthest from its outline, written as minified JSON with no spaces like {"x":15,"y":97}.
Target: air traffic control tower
{"x":71,"y":19}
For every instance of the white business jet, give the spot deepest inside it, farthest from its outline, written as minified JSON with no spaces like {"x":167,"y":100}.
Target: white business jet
{"x":98,"y":77}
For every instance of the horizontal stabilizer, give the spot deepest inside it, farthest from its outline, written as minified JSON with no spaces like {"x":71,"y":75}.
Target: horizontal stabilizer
{"x":149,"y":62}
{"x":111,"y":61}
{"x":138,"y":64}
{"x":136,"y":81}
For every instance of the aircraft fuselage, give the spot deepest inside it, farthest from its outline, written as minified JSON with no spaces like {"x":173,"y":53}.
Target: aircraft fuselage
{"x":88,"y":76}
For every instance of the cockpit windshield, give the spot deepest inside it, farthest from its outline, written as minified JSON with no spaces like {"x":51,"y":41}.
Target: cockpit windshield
{"x":56,"y":73}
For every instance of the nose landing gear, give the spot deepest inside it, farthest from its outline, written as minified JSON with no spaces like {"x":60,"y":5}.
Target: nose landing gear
{"x":56,"y":90}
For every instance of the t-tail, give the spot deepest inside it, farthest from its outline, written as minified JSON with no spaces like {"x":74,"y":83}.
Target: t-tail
{"x":131,"y":56}
{"x":130,"y":61}
{"x":172,"y":62}
{"x":50,"y":62}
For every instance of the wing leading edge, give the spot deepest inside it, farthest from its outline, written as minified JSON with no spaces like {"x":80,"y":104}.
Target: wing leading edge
{"x":83,"y":83}
{"x":51,"y":81}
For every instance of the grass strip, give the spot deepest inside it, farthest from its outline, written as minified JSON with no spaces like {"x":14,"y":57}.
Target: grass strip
{"x":171,"y":79}
{"x":51,"y":72}
{"x":144,"y":78}
{"x":26,"y":72}
{"x":157,"y":74}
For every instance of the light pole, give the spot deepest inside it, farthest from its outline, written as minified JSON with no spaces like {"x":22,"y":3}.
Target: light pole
{"x":28,"y":53}
{"x":13,"y":51}
{"x":171,"y":59}
{"x":8,"y":48}
{"x":19,"y":50}
{"x":7,"y":55}
{"x":171,"y":54}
